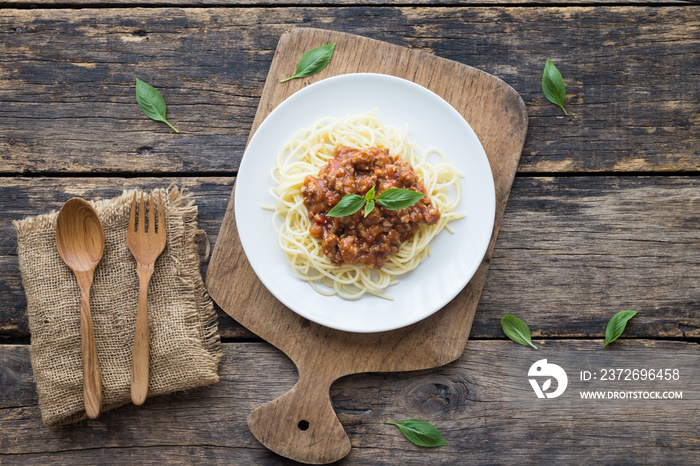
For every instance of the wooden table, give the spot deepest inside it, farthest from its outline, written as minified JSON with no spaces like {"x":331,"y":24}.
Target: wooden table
{"x":603,"y":215}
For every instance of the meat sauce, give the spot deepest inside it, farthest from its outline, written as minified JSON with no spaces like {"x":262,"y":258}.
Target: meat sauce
{"x":354,"y":238}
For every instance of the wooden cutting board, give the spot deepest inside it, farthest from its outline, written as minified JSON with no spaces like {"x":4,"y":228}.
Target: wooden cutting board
{"x":301,"y":424}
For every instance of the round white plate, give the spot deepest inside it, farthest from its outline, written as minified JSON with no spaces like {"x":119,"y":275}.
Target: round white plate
{"x":432,"y":122}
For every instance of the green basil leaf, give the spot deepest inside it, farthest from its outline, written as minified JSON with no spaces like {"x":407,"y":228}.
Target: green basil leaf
{"x":397,"y":198}
{"x":617,"y":325}
{"x":313,"y":61}
{"x":369,"y":207}
{"x":420,"y":432}
{"x":370,"y":194}
{"x":553,"y":85}
{"x":348,"y":205}
{"x":151,"y":102}
{"x":516,"y":330}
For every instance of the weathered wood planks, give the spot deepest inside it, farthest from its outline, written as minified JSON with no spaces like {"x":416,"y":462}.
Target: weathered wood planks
{"x":572,"y":251}
{"x":67,"y":100}
{"x":470,"y":400}
{"x":274,"y":3}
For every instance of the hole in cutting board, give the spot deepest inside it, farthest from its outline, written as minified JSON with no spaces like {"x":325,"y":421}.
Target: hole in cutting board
{"x":303,"y":425}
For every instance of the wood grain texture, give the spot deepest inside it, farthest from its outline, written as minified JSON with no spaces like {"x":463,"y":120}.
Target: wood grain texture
{"x":67,"y":99}
{"x":597,"y":245}
{"x":301,"y":425}
{"x":469,"y":400}
{"x":274,"y":3}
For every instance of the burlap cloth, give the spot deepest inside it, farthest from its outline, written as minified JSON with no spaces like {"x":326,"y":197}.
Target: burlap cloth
{"x":185,"y":347}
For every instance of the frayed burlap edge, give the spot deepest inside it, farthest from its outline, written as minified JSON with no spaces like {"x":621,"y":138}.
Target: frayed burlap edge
{"x":203,"y":314}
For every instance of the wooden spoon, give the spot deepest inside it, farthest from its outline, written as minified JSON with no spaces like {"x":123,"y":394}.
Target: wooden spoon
{"x":81,"y":241}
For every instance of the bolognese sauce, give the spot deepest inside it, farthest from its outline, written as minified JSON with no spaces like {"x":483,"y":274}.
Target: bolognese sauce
{"x":356,"y":238}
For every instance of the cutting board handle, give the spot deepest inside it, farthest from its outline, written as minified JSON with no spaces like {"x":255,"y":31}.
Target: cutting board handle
{"x":301,"y":424}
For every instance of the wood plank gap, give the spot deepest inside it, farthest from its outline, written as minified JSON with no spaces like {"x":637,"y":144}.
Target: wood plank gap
{"x":106,"y":174}
{"x":504,"y":338}
{"x":631,"y":173}
{"x":15,"y":340}
{"x":27,"y":340}
{"x":155,"y":5}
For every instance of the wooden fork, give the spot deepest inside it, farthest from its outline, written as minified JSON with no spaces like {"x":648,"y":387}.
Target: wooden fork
{"x":145,"y":246}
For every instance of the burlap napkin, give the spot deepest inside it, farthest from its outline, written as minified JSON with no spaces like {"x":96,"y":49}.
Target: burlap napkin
{"x":184,"y":344}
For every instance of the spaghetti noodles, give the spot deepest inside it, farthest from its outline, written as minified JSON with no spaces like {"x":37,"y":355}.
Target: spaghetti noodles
{"x":310,"y":150}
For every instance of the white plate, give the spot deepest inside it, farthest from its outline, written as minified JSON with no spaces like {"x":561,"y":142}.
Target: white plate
{"x":432,"y":122}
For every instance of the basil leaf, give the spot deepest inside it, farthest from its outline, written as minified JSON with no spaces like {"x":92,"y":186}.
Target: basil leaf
{"x":617,"y":325}
{"x":370,"y":194}
{"x":397,"y":198}
{"x":348,"y":205}
{"x":313,"y":61}
{"x":369,"y":207}
{"x":151,"y":102}
{"x":553,"y":85}
{"x":516,"y":330}
{"x":420,"y":432}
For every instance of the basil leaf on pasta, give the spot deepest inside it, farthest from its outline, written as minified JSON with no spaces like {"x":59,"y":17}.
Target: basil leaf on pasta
{"x":369,"y":207}
{"x":348,"y":205}
{"x":397,"y":198}
{"x":370,"y":194}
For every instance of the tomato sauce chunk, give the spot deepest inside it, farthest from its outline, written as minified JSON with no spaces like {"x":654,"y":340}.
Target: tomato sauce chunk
{"x":355,"y":238}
